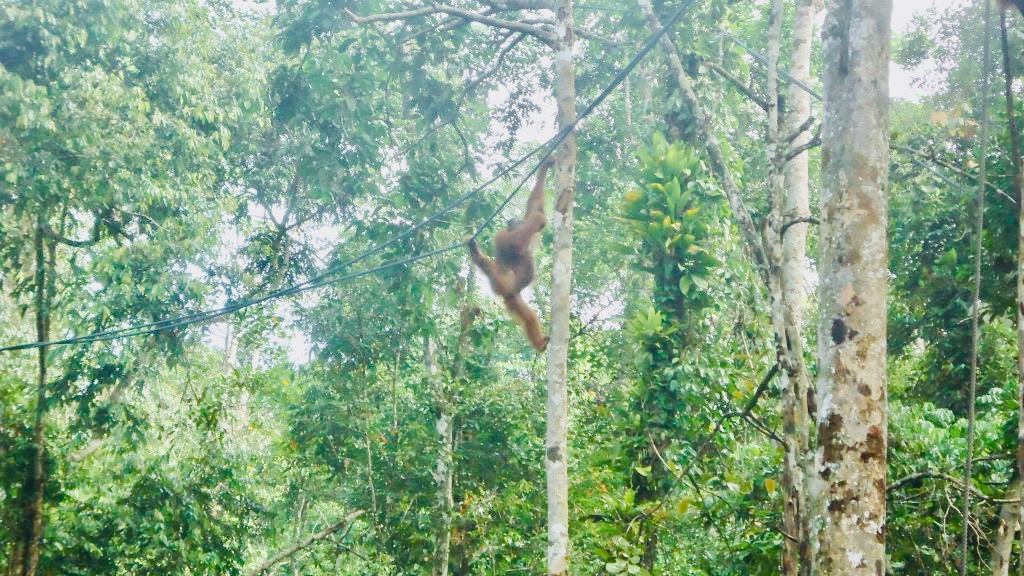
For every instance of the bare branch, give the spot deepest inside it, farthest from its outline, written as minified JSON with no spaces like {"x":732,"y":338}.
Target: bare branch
{"x":519,"y":4}
{"x":484,"y":18}
{"x":498,"y":61}
{"x":812,"y":143}
{"x":597,"y":38}
{"x":284,"y":554}
{"x":948,"y":478}
{"x":800,"y":220}
{"x":548,"y":24}
{"x":782,"y":74}
{"x":535,"y":31}
{"x":744,"y":414}
{"x":449,"y":23}
{"x":800,"y":130}
{"x":743,"y":88}
{"x":392,"y":16}
{"x":919,"y":156}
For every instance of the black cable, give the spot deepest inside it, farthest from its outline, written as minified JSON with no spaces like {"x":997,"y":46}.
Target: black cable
{"x":323,"y":279}
{"x":210,"y":315}
{"x":764,"y":61}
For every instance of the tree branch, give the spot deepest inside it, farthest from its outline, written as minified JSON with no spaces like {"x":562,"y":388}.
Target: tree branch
{"x":519,"y":4}
{"x":801,"y":129}
{"x":436,"y":8}
{"x":535,"y":31}
{"x":812,"y":143}
{"x":94,"y":236}
{"x":391,"y":16}
{"x":918,"y":156}
{"x":705,"y":441}
{"x":743,"y":88}
{"x":948,"y":478}
{"x":782,"y":74}
{"x":498,"y":61}
{"x":800,"y":220}
{"x":595,"y":37}
{"x":295,"y":547}
{"x":449,"y":23}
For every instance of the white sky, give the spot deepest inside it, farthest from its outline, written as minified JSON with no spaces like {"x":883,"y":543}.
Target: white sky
{"x":903,"y":11}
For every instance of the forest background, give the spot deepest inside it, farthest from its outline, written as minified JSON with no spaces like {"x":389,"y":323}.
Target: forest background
{"x":243,"y":224}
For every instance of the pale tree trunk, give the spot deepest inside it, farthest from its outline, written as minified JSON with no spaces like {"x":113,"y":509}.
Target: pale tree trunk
{"x":230,"y":347}
{"x":1018,"y":194}
{"x":848,"y":491}
{"x":794,"y":286}
{"x":979,"y":229}
{"x":300,"y":513}
{"x":785,"y":245}
{"x":561,"y":37}
{"x":1009,"y":513}
{"x":369,"y":457}
{"x":1006,"y":526}
{"x":772,"y":239}
{"x":443,"y":469}
{"x":556,"y":439}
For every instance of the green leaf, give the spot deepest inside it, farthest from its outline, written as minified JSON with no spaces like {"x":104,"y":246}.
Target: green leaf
{"x":615,"y":567}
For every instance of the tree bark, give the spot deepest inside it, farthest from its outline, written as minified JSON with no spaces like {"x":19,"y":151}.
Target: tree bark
{"x":369,"y":459}
{"x":300,"y":513}
{"x":848,"y":490}
{"x":794,"y":287}
{"x":979,"y":229}
{"x":1006,"y":527}
{"x":1009,"y":514}
{"x":556,"y":438}
{"x":443,"y":470}
{"x":773,"y":246}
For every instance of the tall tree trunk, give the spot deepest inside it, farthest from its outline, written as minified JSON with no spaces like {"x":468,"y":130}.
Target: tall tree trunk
{"x":230,"y":347}
{"x":1018,"y":194}
{"x":979,"y":230}
{"x":1006,"y":527}
{"x":794,"y":286}
{"x":443,"y":471}
{"x":850,"y":461}
{"x":556,"y":439}
{"x":1009,"y":513}
{"x":300,"y":514}
{"x":369,"y":458}
{"x":773,"y":246}
{"x":27,"y":553}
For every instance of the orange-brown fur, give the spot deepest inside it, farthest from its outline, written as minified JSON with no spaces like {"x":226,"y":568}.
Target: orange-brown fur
{"x":512,"y":268}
